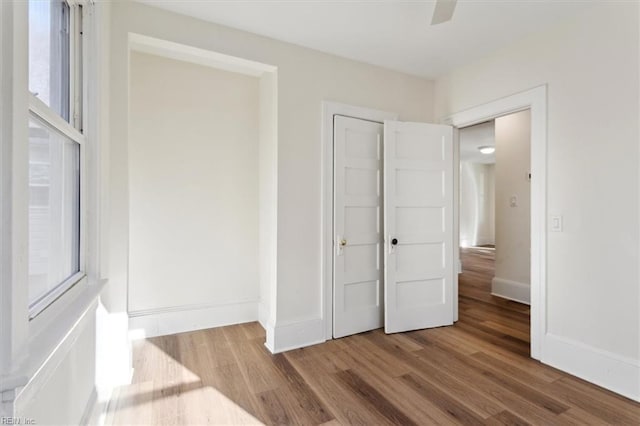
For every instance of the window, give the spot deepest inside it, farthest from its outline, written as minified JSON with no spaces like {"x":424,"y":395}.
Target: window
{"x":49,"y":23}
{"x":55,"y":150}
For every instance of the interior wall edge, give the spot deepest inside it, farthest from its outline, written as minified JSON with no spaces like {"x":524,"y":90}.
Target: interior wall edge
{"x":296,"y":334}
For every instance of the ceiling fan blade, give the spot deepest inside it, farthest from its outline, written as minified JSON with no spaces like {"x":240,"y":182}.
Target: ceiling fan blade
{"x":443,"y":11}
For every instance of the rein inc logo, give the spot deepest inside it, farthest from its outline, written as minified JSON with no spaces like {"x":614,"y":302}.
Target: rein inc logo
{"x":17,"y":421}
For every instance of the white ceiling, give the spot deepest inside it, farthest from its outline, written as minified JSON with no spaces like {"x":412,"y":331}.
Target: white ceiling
{"x":472,"y":138}
{"x":393,"y":34}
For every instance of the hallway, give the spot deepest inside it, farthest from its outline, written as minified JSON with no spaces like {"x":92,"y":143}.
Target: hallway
{"x":491,"y":318}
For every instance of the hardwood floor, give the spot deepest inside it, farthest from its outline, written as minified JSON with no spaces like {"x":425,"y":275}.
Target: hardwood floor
{"x":476,"y":372}
{"x":495,"y":319}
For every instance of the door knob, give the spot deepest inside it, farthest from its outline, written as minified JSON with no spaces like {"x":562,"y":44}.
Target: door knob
{"x":343,"y":242}
{"x":394,"y":242}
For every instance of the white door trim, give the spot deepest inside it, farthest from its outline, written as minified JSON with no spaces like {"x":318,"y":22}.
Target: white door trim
{"x":329,"y":109}
{"x":536,"y":100}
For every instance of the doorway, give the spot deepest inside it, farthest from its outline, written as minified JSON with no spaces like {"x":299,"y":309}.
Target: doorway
{"x":495,"y":211}
{"x":534,"y":100}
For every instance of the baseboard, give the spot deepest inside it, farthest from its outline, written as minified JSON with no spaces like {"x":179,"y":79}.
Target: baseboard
{"x":512,"y":290}
{"x":482,"y":241}
{"x":618,"y":374}
{"x":179,"y":319}
{"x":294,"y":335}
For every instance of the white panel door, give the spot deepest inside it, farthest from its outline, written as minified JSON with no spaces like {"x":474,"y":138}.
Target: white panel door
{"x":418,"y":222}
{"x":358,"y":237}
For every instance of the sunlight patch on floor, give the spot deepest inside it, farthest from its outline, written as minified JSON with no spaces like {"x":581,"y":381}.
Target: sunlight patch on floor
{"x":182,"y":399}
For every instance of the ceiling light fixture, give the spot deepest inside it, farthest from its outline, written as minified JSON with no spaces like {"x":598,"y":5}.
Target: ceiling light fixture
{"x":487,"y":149}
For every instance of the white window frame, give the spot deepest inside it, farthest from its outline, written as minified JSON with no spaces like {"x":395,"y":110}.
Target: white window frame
{"x":74,"y":131}
{"x":32,"y":348}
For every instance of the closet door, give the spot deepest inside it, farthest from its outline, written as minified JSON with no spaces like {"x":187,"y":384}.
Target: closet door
{"x":418,"y":226}
{"x":358,"y":238}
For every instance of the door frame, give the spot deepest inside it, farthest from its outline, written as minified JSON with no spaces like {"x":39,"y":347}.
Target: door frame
{"x":329,"y":109}
{"x":536,"y":101}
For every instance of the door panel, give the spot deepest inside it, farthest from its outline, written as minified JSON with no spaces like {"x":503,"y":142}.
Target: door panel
{"x":418,"y":218}
{"x":358,"y":276}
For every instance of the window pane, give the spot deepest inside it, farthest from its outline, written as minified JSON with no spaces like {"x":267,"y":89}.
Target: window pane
{"x":49,"y":53}
{"x":54,"y":209}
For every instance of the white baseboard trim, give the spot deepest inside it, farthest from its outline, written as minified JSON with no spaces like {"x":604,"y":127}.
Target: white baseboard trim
{"x":618,"y":374}
{"x":483,"y":241}
{"x":294,"y":335}
{"x":180,"y":319}
{"x":512,"y":290}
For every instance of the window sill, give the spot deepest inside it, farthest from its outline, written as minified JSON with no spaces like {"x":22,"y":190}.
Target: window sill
{"x":50,"y":342}
{"x":55,"y":294}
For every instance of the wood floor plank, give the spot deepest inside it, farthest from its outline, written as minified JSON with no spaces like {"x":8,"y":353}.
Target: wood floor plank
{"x":474,"y":400}
{"x":277,"y":415}
{"x":346,"y":406}
{"x":595,"y":404}
{"x":582,"y":387}
{"x":306,"y":397}
{"x":133,"y":405}
{"x":509,"y":330}
{"x":373,"y":398}
{"x":567,"y":395}
{"x":496,"y":338}
{"x":519,"y":321}
{"x":419,"y":409}
{"x":527,"y":368}
{"x":381,"y":360}
{"x":333,"y":362}
{"x":446,"y":403}
{"x":475,"y":379}
{"x":578,"y":417}
{"x":253,"y":331}
{"x":258,"y":372}
{"x":505,"y":418}
{"x":403,"y":342}
{"x":222,"y":353}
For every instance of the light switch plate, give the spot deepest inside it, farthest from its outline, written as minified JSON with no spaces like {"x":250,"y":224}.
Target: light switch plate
{"x":556,"y":223}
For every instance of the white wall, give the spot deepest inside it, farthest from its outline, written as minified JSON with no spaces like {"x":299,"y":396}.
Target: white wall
{"x":193,"y":189}
{"x":513,"y":219}
{"x":65,"y":392}
{"x":305,"y":78}
{"x":488,"y":230}
{"x":590,"y":66}
{"x":477,"y":204}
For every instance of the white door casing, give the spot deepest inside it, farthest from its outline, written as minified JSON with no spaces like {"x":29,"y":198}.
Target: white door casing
{"x":418,"y":226}
{"x":358,"y":238}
